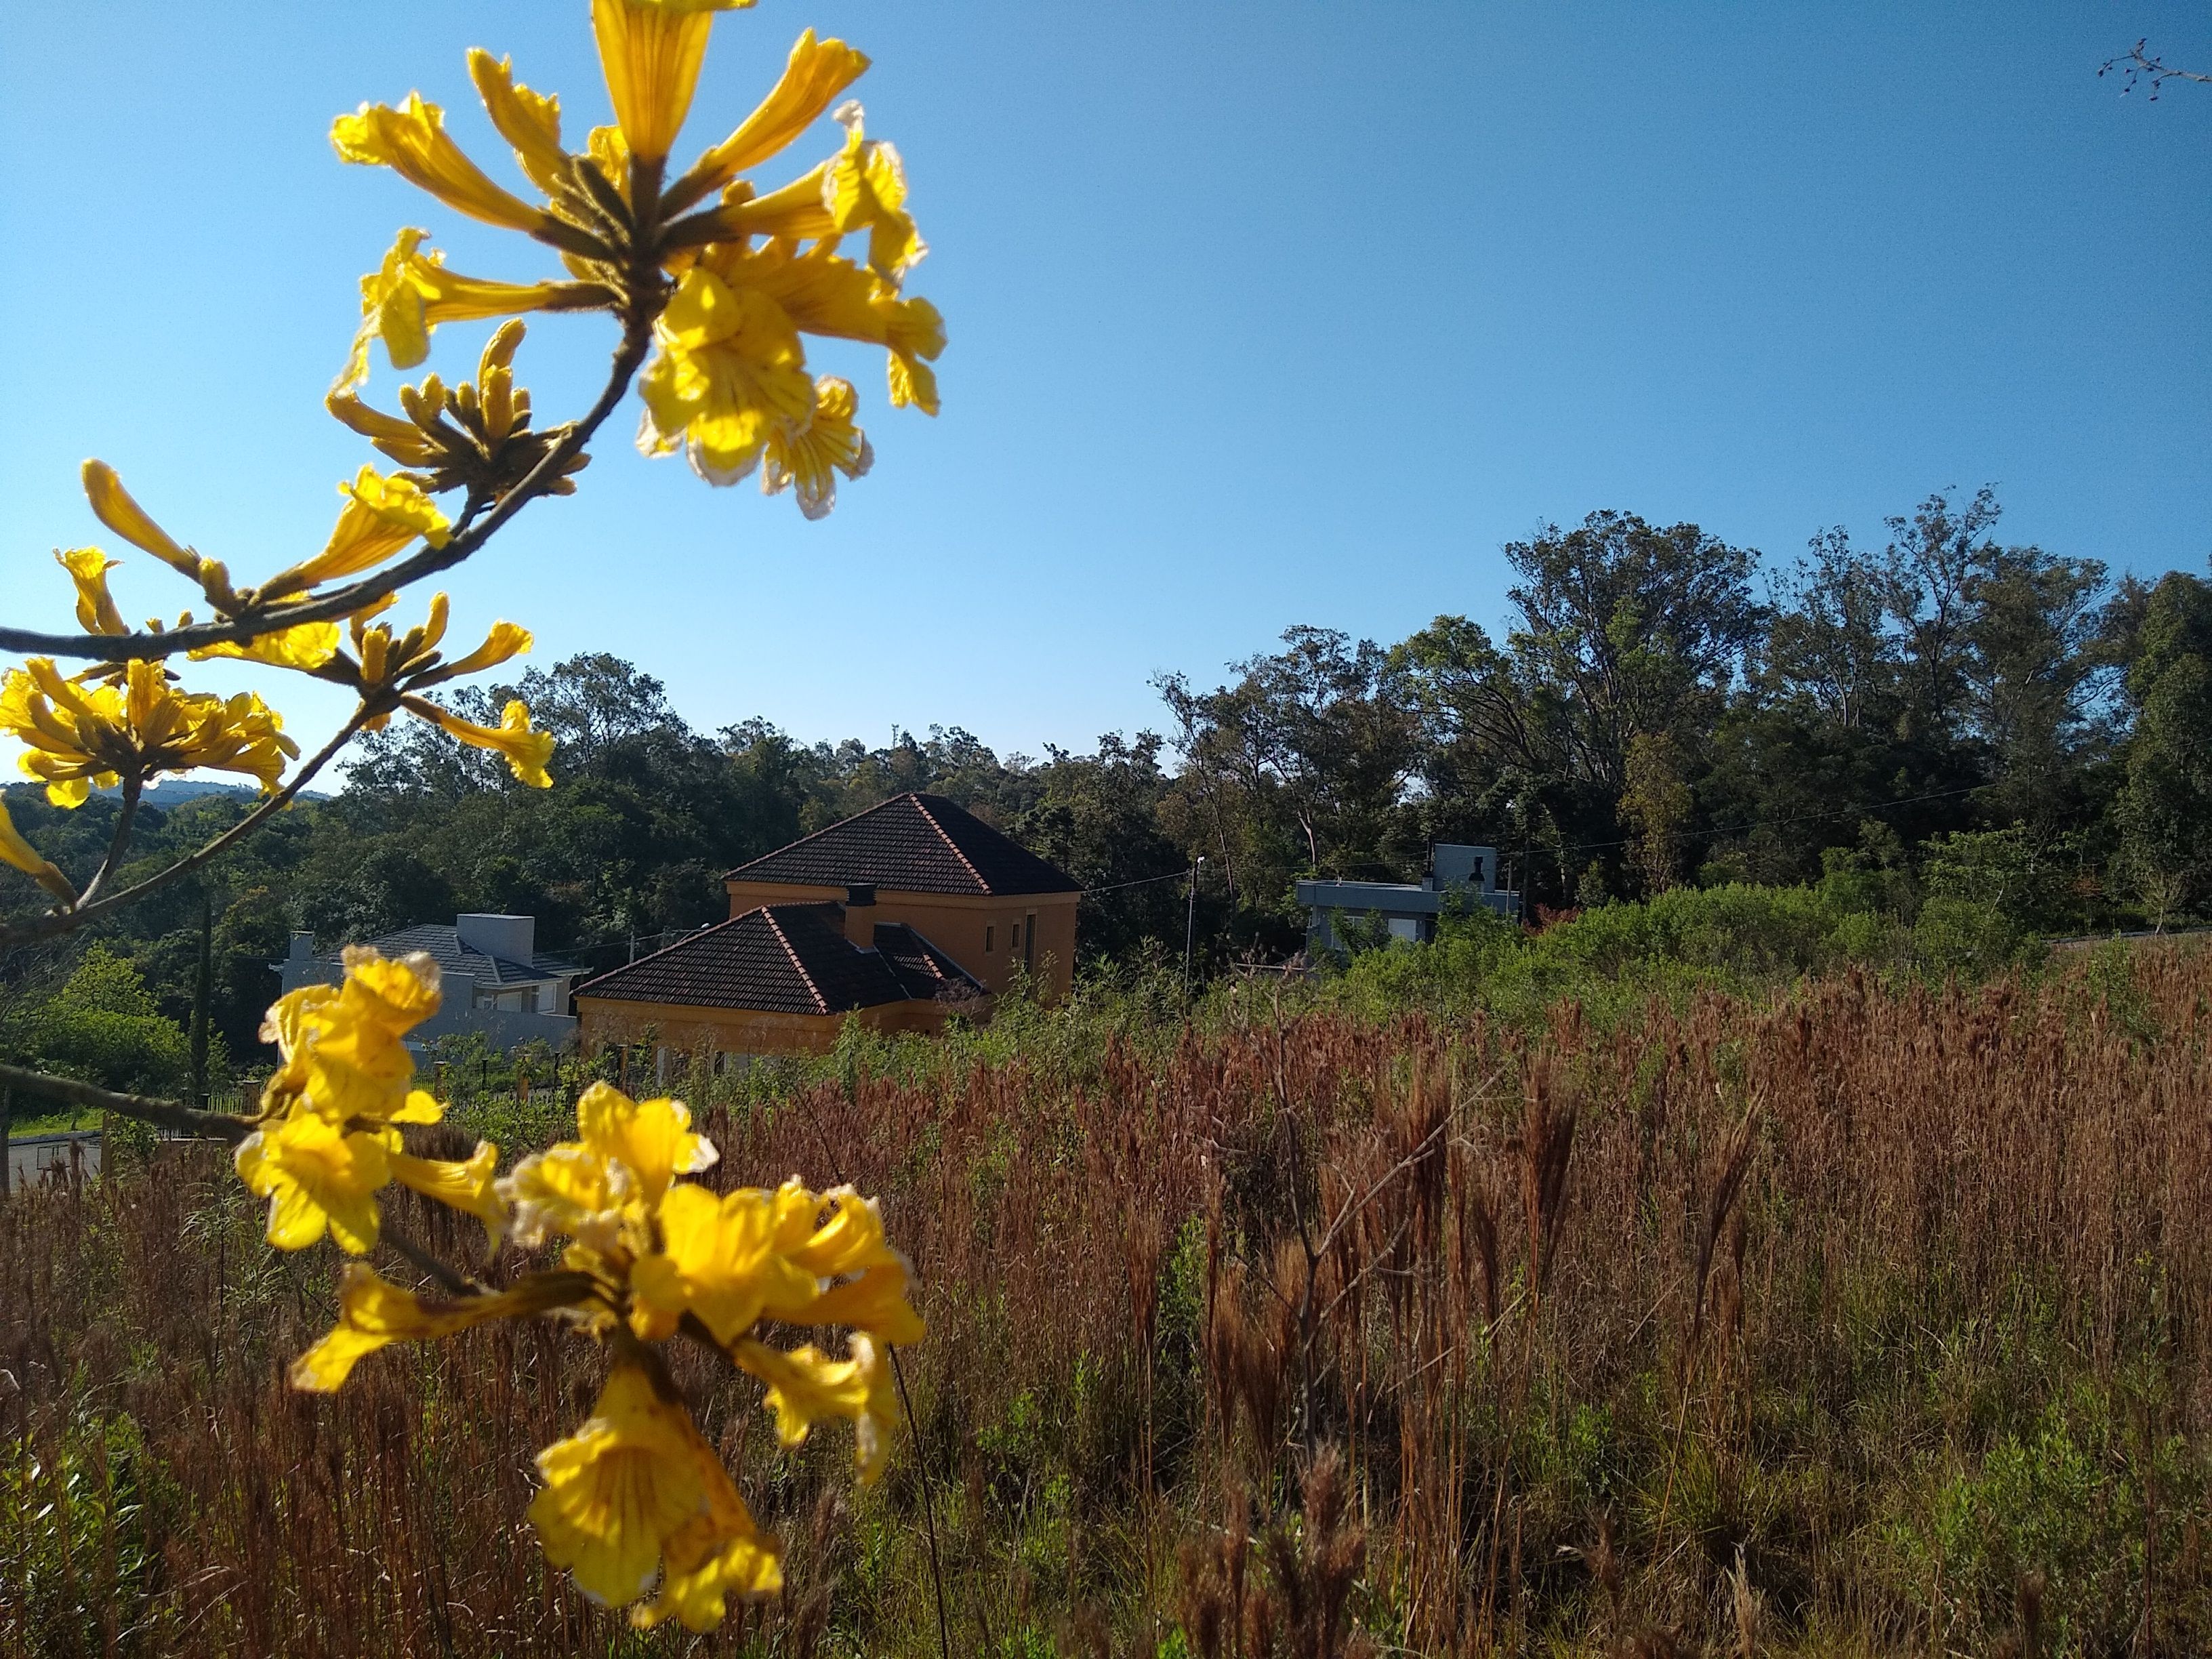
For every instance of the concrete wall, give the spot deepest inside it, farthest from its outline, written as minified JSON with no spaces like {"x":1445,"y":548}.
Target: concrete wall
{"x":978,"y":934}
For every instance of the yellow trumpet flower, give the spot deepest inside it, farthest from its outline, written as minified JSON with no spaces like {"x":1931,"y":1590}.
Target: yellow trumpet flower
{"x":414,"y":143}
{"x":470,"y":1187}
{"x":380,"y":516}
{"x":529,"y":121}
{"x":341,"y":1048}
{"x":650,"y":51}
{"x":96,"y":607}
{"x":630,"y":1484}
{"x":103,"y":725}
{"x":718,"y":1261}
{"x":817,"y":72}
{"x":730,"y":371}
{"x":113,"y":506}
{"x":19,"y":853}
{"x":865,"y":188}
{"x":374,"y":1313}
{"x":318,"y":1177}
{"x":812,"y":459}
{"x":412,"y":291}
{"x":526,"y":752}
{"x":305,"y":646}
{"x":805,"y":1385}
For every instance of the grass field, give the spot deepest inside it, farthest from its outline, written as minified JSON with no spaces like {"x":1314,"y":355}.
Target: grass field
{"x":1863,"y":1317}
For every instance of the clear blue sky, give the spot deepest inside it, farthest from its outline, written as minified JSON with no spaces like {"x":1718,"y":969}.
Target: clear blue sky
{"x":1259,"y":314}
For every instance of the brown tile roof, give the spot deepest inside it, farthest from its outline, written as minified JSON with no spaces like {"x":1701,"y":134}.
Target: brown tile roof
{"x":912,"y":843}
{"x":924,"y":970}
{"x":787,"y":959}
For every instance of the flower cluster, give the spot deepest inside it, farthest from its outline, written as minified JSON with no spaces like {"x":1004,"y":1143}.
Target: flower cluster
{"x":328,"y":1137}
{"x":635,"y":1498}
{"x":730,"y":277}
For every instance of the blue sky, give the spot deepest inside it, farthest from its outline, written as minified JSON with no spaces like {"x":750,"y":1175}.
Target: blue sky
{"x":1260,"y":315}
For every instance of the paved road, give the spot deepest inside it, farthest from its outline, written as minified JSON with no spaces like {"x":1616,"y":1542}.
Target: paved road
{"x":31,"y":1156}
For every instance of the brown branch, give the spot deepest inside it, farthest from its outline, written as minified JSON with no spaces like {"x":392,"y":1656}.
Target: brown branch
{"x":448,"y":1280}
{"x":345,"y":601}
{"x":133,"y":788}
{"x":162,"y":1114}
{"x":63,"y":922}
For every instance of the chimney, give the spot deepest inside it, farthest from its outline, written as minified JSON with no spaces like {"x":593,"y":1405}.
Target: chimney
{"x":861,"y":914}
{"x":513,"y":939}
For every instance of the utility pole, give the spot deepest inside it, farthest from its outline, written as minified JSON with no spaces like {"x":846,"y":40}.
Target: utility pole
{"x":201,"y":991}
{"x":1190,"y":926}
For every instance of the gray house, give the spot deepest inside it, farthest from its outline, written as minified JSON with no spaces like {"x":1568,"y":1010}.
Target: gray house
{"x":1460,"y":879}
{"x":495,"y":980}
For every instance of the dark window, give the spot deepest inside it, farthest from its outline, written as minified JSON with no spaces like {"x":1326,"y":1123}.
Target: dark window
{"x":990,"y":940}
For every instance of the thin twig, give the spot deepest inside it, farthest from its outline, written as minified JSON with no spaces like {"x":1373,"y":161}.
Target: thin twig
{"x":345,"y":601}
{"x":163,"y":1113}
{"x":133,"y":788}
{"x":449,"y":1281}
{"x":63,"y":922}
{"x":929,"y":1506}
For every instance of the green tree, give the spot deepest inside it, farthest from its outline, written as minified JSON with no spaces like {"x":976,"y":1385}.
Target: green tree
{"x":2165,"y":809}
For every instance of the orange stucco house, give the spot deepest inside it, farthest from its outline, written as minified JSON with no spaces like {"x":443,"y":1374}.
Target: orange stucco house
{"x":897,"y":917}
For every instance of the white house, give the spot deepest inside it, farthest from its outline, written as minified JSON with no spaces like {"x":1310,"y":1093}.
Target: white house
{"x":495,"y":980}
{"x":1460,"y":878}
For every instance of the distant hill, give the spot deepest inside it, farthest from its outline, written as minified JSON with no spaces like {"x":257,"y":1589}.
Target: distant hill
{"x":175,"y":792}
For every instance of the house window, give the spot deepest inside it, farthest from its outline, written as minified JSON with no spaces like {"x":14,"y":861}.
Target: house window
{"x":990,"y":940}
{"x":1014,"y":937}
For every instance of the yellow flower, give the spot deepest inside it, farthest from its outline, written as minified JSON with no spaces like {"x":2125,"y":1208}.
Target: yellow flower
{"x":529,"y":121}
{"x":805,"y":1385}
{"x":526,"y":752}
{"x":569,"y":1190}
{"x":413,"y":142}
{"x":875,"y":1302}
{"x":15,"y":850}
{"x":730,"y":370}
{"x":113,"y":505}
{"x":718,"y":1261}
{"x":96,"y":607}
{"x":716,"y":1554}
{"x":380,"y":516}
{"x":823,"y":294}
{"x":650,"y":51}
{"x":472,"y":1187}
{"x":318,"y":1178}
{"x":412,"y":292}
{"x":374,"y":1312}
{"x":817,"y":71}
{"x":306,"y":646}
{"x":103,"y":725}
{"x":652,"y":1138}
{"x":812,"y":459}
{"x":602,"y":1187}
{"x":341,"y":1048}
{"x":637,"y":1486}
{"x":866,"y":188}
{"x":849,"y":1239}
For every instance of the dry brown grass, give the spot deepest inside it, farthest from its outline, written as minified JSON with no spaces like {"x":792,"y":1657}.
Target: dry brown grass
{"x":1754,"y":1329}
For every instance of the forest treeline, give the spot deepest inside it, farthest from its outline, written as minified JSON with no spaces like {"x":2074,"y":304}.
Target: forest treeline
{"x":1657,"y":710}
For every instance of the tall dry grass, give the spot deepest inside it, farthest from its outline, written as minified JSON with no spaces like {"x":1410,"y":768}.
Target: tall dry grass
{"x":1872,"y":1321}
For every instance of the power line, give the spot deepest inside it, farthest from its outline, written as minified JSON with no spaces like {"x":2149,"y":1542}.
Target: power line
{"x":1141,"y":881}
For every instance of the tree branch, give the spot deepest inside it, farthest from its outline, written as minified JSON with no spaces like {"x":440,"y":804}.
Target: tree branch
{"x":133,"y":788}
{"x":162,"y":1114}
{"x":345,"y":601}
{"x":55,"y":922}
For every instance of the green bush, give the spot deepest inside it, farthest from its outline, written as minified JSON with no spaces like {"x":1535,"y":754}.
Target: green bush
{"x":102,"y":1026}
